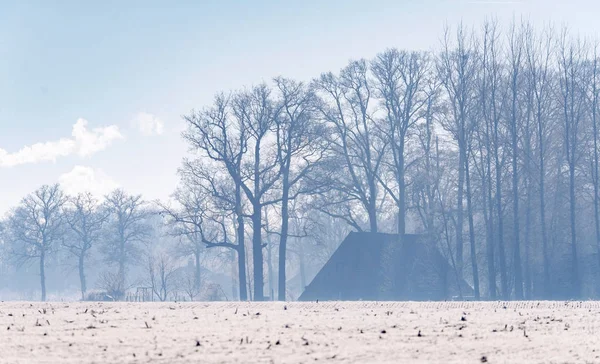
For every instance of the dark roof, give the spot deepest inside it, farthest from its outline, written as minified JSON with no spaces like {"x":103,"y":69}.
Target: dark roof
{"x":377,"y":266}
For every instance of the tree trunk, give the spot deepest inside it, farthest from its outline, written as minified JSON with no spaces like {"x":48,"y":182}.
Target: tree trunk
{"x":121,"y":272}
{"x":574,"y":268}
{"x":472,"y":232}
{"x":501,"y":250}
{"x":302,"y":267}
{"x":528,"y":157}
{"x":459,"y":206}
{"x":373,"y":219}
{"x":197,"y":270}
{"x":283,"y":237}
{"x":401,"y":193}
{"x":82,"y":275}
{"x":595,"y":178}
{"x":516,"y":242}
{"x":249,"y":274}
{"x":257,"y":253}
{"x":234,"y":288}
{"x":372,"y":205}
{"x":270,"y":268}
{"x":528,"y":287}
{"x":43,"y":274}
{"x":595,"y":181}
{"x":488,"y":213}
{"x":545,"y":253}
{"x":241,"y":248}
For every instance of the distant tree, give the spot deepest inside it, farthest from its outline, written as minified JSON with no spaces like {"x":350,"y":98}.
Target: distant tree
{"x":112,"y":285}
{"x":85,"y":220}
{"x":357,"y":146}
{"x":256,"y":110}
{"x":593,"y":97}
{"x":401,"y":77}
{"x":199,"y":210}
{"x":426,"y":178}
{"x":36,"y":226}
{"x":515,"y":122}
{"x":185,"y":223}
{"x":3,"y":245}
{"x":457,"y":71}
{"x":572,"y":100}
{"x":126,"y":228}
{"x":186,"y":282}
{"x":237,"y":136}
{"x":539,"y":50}
{"x":300,"y":148}
{"x":223,"y":139}
{"x":161,"y":270}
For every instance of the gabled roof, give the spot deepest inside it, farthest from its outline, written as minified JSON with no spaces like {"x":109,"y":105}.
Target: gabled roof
{"x":378,"y":266}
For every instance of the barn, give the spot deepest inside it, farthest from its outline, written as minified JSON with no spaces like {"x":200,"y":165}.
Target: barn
{"x":386,"y":267}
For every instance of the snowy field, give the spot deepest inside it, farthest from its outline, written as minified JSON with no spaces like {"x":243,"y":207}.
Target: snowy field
{"x":339,"y":332}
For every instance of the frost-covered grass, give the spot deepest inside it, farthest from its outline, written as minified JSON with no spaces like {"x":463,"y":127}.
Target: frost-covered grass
{"x":344,"y":332}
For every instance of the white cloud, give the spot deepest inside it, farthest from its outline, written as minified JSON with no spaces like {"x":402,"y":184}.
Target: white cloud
{"x":83,"y":142}
{"x":96,"y":140}
{"x":86,"y":179}
{"x":148,"y":124}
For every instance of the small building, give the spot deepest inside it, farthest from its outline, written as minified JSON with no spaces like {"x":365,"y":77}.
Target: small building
{"x":386,"y":267}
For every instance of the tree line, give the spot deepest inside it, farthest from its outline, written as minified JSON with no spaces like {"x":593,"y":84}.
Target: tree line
{"x":488,"y":147}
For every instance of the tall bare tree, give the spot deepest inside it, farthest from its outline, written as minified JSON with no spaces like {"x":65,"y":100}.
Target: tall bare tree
{"x":354,"y":140}
{"x":515,"y":59}
{"x":235,"y":135}
{"x":202,"y":203}
{"x":260,"y":171}
{"x":400,"y":81}
{"x":456,"y":68}
{"x":493,"y":99}
{"x":36,"y":227}
{"x":85,"y":220}
{"x":300,"y":149}
{"x":538,"y":52}
{"x":593,"y":96}
{"x":572,"y":101}
{"x":126,"y":228}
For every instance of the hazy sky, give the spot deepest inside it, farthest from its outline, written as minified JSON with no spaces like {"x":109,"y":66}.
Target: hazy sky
{"x":92,"y":92}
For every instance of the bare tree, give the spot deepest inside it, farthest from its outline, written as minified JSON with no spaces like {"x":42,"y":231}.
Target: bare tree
{"x":126,"y":229}
{"x":539,"y":57}
{"x":401,"y":79}
{"x":354,"y":140}
{"x":456,"y":68}
{"x":300,"y":149}
{"x":188,"y":284}
{"x":36,"y":226}
{"x":593,"y":97}
{"x":493,"y":98}
{"x":224,"y":140}
{"x":261,"y":171}
{"x":427,"y":178}
{"x":185,"y":224}
{"x":113,"y":285}
{"x":572,"y":101}
{"x":161,"y":270}
{"x":201,"y":208}
{"x":515,"y":50}
{"x":237,"y":135}
{"x":86,"y":221}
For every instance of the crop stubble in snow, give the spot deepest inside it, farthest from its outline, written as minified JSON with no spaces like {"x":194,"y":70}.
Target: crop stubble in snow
{"x":341,"y":332}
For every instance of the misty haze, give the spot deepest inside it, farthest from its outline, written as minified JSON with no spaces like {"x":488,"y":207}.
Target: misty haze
{"x":352,"y":182}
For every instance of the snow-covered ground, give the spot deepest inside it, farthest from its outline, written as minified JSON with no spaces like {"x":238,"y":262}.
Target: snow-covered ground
{"x":342,"y":332}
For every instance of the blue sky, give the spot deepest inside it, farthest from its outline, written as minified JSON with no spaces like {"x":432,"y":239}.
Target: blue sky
{"x":137,"y":66}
